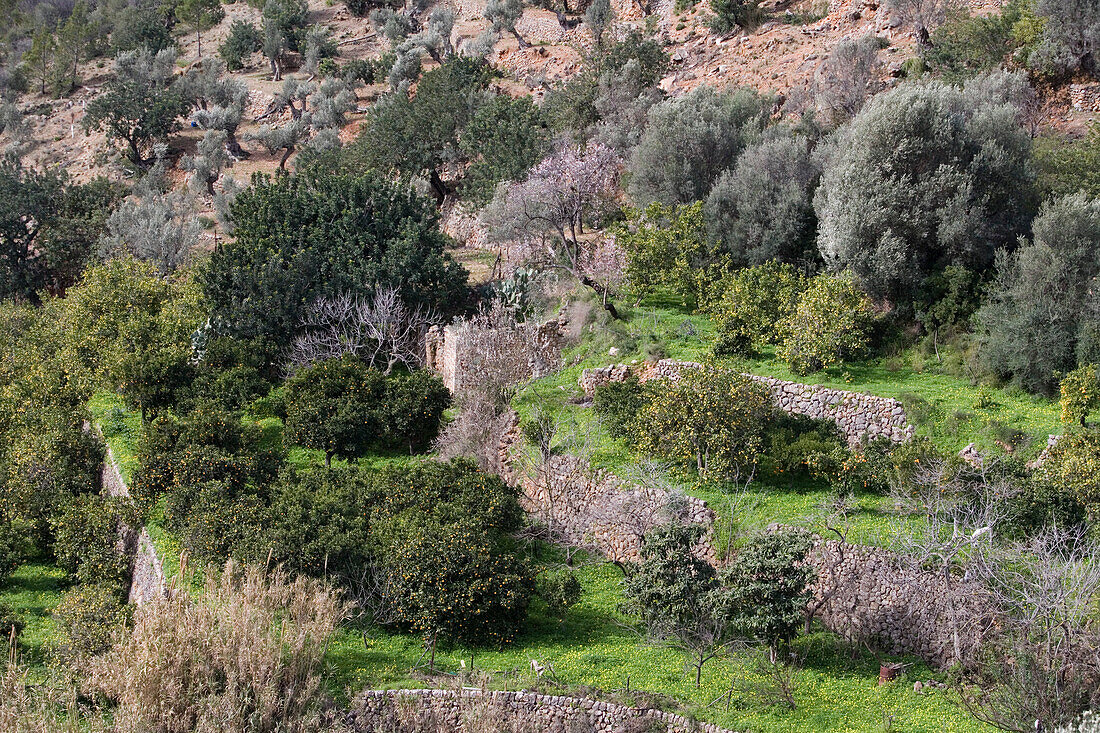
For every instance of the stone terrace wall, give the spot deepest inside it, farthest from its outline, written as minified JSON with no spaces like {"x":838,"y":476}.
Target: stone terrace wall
{"x":594,"y":508}
{"x":858,"y":415}
{"x":877,"y":599}
{"x":526,"y":711}
{"x":147,"y":581}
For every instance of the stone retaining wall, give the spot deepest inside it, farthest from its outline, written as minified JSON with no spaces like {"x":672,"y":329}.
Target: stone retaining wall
{"x":147,"y":581}
{"x":859,"y":416}
{"x":588,"y":507}
{"x":450,"y":710}
{"x":877,"y":598}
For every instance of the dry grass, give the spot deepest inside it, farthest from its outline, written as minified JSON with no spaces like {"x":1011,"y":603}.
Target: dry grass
{"x":39,"y":709}
{"x":242,"y":656}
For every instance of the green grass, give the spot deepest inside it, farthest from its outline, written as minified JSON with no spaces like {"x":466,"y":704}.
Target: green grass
{"x":591,"y":648}
{"x":32,"y":592}
{"x":121,"y":429}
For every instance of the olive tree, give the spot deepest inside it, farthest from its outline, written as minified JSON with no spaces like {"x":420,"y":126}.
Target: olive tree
{"x":762,"y":210}
{"x":690,"y":140}
{"x":1071,"y":36}
{"x":924,"y":177}
{"x":142,"y":103}
{"x":1042,"y":312}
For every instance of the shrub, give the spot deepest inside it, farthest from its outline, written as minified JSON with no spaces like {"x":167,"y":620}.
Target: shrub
{"x":87,"y":537}
{"x":711,"y":418}
{"x":1067,"y":166}
{"x":797,"y":445}
{"x":1080,"y":391}
{"x":967,"y":45}
{"x":677,"y":595}
{"x":768,"y":586}
{"x":16,"y":544}
{"x":731,"y":15}
{"x":1042,"y":304}
{"x":90,"y":616}
{"x":216,"y":519}
{"x":829,"y":324}
{"x":452,"y":583}
{"x":1072,"y":469}
{"x":248,"y":649}
{"x":334,"y":406}
{"x":666,"y":248}
{"x":413,"y":410}
{"x":560,"y":589}
{"x":45,"y":466}
{"x":320,"y":521}
{"x":10,"y":623}
{"x":755,"y":302}
{"x":617,"y":404}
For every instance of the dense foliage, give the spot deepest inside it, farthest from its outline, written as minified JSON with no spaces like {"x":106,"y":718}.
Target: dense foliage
{"x":334,"y":234}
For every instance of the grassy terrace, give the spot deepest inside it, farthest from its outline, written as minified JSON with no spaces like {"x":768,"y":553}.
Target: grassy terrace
{"x":593,"y":646}
{"x":948,"y":409}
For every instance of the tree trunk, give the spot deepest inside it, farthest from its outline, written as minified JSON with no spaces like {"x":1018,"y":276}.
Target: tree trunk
{"x":601,"y":291}
{"x":286,"y":155}
{"x":328,"y":460}
{"x":276,"y":72}
{"x":439,"y":188}
{"x":198,"y":35}
{"x":234,"y":147}
{"x":520,"y":39}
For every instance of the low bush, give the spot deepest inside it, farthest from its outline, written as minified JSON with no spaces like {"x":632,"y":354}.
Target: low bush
{"x":90,"y":617}
{"x":617,"y":404}
{"x":559,"y":589}
{"x":244,"y":655}
{"x":755,"y":302}
{"x":712,"y":419}
{"x":796,"y":445}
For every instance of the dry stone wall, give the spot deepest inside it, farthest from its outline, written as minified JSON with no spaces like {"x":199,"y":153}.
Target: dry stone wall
{"x":859,"y":416}
{"x":873,"y":596}
{"x":450,"y":710}
{"x":147,"y":581}
{"x":588,"y":507}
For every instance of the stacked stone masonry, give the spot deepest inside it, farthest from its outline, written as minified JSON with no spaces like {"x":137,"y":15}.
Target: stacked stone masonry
{"x":147,"y":581}
{"x":876,"y":598}
{"x":859,"y":416}
{"x":446,"y":351}
{"x":531,"y":711}
{"x":588,"y":507}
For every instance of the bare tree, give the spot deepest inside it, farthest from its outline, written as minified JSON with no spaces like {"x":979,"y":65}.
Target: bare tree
{"x":381,"y":330}
{"x":1041,"y":666}
{"x":559,"y":195}
{"x":963,"y":512}
{"x":848,"y":77}
{"x":498,"y":355}
{"x":922,"y":15}
{"x":556,"y":462}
